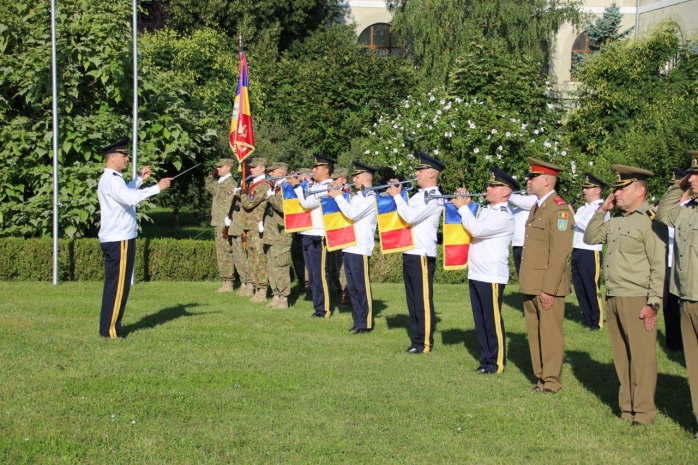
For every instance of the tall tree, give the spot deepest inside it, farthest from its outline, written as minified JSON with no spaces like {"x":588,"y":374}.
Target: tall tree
{"x":436,"y":32}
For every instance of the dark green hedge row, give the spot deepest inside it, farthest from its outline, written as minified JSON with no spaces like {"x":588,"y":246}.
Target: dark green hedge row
{"x":156,"y":260}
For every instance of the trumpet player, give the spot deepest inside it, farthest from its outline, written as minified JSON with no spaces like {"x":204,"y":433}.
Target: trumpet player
{"x":314,"y":242}
{"x":419,"y":263}
{"x":488,"y":265}
{"x":587,"y":258}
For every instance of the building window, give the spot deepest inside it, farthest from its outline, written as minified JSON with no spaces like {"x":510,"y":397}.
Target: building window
{"x":580,"y":49}
{"x":380,"y":39}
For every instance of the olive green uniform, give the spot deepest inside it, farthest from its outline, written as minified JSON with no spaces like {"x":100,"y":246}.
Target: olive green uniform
{"x":254,"y":204}
{"x":634,"y":275}
{"x":220,"y":208}
{"x":684,"y":282}
{"x":277,"y":247}
{"x":544,"y":269}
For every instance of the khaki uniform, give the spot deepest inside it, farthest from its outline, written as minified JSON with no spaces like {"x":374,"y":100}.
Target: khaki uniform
{"x":254,"y":204}
{"x":220,"y":208}
{"x":277,"y":246}
{"x":634,"y":275}
{"x":684,"y":281}
{"x":544,"y":269}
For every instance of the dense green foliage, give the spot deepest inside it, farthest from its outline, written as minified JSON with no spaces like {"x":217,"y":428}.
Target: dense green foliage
{"x":437,"y":32}
{"x":633,"y":108}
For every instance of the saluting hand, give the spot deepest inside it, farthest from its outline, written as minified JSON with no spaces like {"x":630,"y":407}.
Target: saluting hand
{"x":684,"y":182}
{"x":649,"y":316}
{"x":609,"y":203}
{"x":164,"y":183}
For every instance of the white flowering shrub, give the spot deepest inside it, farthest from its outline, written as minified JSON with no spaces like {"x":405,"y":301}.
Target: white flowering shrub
{"x":470,"y":137}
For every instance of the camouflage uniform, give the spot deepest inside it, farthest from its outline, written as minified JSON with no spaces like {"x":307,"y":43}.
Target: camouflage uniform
{"x":239,"y":253}
{"x":277,"y":248}
{"x":254,"y":203}
{"x":220,"y":207}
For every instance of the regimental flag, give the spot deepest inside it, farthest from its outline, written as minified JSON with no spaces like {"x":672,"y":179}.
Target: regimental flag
{"x":395,"y":234}
{"x":339,"y":230}
{"x":456,"y":239}
{"x":241,"y":133}
{"x":296,"y":218}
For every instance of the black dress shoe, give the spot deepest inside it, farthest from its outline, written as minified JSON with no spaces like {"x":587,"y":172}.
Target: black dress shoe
{"x":315,"y":315}
{"x":543,"y":390}
{"x":413,"y":350}
{"x":484,"y":371}
{"x":353,"y":330}
{"x":363,"y":330}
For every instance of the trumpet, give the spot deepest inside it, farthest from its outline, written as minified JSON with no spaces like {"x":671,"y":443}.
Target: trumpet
{"x":330,"y":188}
{"x":576,"y":200}
{"x":295,"y":175}
{"x":429,"y":196}
{"x":385,"y":186}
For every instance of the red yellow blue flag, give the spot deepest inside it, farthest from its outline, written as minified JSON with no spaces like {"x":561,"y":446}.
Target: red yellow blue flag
{"x":339,"y":230}
{"x":395,"y":234}
{"x":456,"y":239}
{"x":241,"y":133}
{"x":296,"y":218}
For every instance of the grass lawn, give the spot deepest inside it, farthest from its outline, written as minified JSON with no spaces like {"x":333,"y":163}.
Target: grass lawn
{"x":210,"y":378}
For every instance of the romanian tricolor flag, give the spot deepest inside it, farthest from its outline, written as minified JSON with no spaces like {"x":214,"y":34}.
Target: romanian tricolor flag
{"x":241,"y":133}
{"x":296,"y":218}
{"x":456,"y":238}
{"x":339,"y":230}
{"x":395,"y":234}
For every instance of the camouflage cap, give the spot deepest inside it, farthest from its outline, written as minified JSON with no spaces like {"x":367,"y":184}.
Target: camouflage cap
{"x":257,"y":162}
{"x":278,"y":166}
{"x":340,"y":173}
{"x":226,"y":162}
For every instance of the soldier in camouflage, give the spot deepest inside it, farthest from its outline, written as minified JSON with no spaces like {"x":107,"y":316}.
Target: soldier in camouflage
{"x":254,"y":203}
{"x":221,"y":185}
{"x":337,"y":274}
{"x":277,"y":243}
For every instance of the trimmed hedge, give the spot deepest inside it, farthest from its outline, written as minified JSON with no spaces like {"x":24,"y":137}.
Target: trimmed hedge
{"x":158,"y":260}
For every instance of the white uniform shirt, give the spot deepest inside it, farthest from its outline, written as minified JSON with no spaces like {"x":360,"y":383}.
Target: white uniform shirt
{"x":424,"y":218}
{"x":362,"y":210}
{"x":491,"y":231}
{"x":523,"y":205}
{"x":117,"y":202}
{"x":312,"y":202}
{"x":581,"y":220}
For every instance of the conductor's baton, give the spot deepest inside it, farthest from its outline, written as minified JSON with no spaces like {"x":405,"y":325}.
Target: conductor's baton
{"x":178,"y":175}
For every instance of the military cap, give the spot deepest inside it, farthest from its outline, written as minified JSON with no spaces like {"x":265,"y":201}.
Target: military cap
{"x":278,"y":166}
{"x":626,"y":175}
{"x":257,"y":162}
{"x":226,"y":162}
{"x":501,"y":178}
{"x":360,"y":168}
{"x":340,"y":173}
{"x":694,"y":161}
{"x":428,"y":162}
{"x":539,"y":167}
{"x":592,"y":181}
{"x":321,"y":160}
{"x":304,"y":171}
{"x":676,"y":176}
{"x":120,"y":146}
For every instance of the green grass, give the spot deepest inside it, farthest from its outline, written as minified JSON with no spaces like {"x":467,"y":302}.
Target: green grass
{"x":210,"y":378}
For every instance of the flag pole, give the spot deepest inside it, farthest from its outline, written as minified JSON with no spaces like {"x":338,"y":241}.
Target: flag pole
{"x":54,"y":79}
{"x":135,"y":91}
{"x":243,"y":166}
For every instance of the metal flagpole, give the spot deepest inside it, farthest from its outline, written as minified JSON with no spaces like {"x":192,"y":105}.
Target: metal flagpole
{"x":54,"y":78}
{"x":134,"y":137}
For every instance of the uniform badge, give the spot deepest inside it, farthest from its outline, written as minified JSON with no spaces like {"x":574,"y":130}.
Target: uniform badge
{"x":251,"y":196}
{"x":230,"y":191}
{"x":563,"y":215}
{"x":562,"y":225}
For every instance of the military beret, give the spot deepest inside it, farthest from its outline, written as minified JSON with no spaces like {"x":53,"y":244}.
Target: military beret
{"x":120,"y":146}
{"x":539,"y":167}
{"x":592,"y":181}
{"x":429,"y":162}
{"x":626,"y":175}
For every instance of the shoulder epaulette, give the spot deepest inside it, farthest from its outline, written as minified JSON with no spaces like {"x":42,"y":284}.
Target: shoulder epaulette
{"x":651,"y":214}
{"x":503,"y":208}
{"x":559,"y":201}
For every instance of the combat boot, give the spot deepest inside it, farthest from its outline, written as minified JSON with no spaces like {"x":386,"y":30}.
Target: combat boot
{"x":226,"y":287}
{"x":274,"y":299}
{"x":259,"y":296}
{"x":246,"y":290}
{"x":281,"y":303}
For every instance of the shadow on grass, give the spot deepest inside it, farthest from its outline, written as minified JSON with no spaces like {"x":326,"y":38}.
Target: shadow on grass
{"x":161,"y":317}
{"x":673,"y":397}
{"x":673,"y":355}
{"x":468,"y":338}
{"x":403,"y":321}
{"x":519,"y":354}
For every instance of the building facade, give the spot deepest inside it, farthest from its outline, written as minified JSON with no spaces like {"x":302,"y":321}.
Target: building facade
{"x":373,"y":29}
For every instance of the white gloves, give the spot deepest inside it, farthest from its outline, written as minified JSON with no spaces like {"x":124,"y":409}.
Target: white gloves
{"x":236,"y":191}
{"x":227,"y":221}
{"x":260,"y":226}
{"x":270,"y":192}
